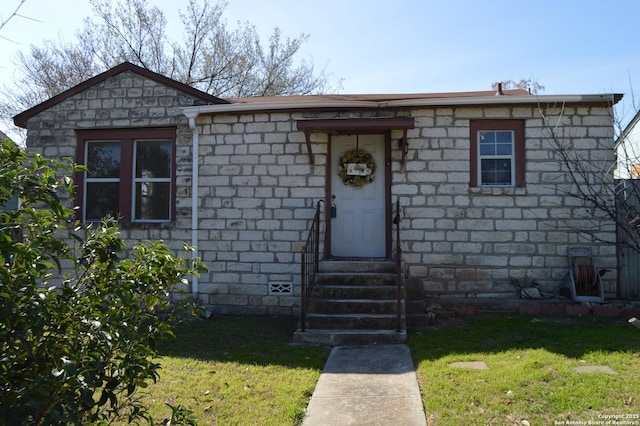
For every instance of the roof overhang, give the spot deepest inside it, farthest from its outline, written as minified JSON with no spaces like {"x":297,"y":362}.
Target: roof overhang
{"x":282,"y":104}
{"x":364,"y":102}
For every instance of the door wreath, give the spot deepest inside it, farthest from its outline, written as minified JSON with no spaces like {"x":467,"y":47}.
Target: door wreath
{"x":357,"y":168}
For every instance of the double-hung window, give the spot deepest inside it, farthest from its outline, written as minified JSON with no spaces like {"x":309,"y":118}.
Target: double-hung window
{"x":102,"y":181}
{"x":495,"y":157}
{"x":497,"y":153}
{"x":130,"y":175}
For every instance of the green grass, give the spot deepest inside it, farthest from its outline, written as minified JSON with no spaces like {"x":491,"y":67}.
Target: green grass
{"x":530,"y":375}
{"x":237,"y":371}
{"x":246,"y":371}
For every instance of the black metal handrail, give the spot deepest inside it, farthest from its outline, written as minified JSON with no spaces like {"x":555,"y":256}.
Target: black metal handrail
{"x":396,"y":221}
{"x":310,"y":258}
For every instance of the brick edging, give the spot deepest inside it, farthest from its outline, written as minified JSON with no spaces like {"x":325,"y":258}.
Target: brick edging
{"x":607,"y":310}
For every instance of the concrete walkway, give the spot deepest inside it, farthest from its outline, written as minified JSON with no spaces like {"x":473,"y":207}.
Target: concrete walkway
{"x":367,"y":385}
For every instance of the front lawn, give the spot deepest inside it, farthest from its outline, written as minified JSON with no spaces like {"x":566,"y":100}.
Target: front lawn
{"x":530,"y":377}
{"x":237,"y":371}
{"x":246,"y":371}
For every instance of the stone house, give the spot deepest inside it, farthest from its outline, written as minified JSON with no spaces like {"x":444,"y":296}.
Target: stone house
{"x":483,"y":196}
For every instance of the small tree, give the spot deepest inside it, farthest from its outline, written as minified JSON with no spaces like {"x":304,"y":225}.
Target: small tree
{"x":590,"y":164}
{"x":76,"y":352}
{"x":530,"y":84}
{"x":209,"y":56}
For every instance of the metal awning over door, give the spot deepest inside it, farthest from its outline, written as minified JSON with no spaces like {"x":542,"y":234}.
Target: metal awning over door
{"x":345,"y":126}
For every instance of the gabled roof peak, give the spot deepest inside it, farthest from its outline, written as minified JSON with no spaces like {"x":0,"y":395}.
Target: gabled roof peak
{"x":21,"y":119}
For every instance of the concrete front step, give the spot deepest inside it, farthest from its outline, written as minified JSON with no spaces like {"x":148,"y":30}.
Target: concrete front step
{"x":354,"y":292}
{"x":357,"y":266}
{"x":337,"y":321}
{"x":353,"y":306}
{"x":350,"y":337}
{"x":356,"y":279}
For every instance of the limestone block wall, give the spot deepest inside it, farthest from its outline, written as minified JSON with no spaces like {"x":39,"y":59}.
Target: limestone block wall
{"x":257,"y":195}
{"x":468,"y":242}
{"x":258,"y":191}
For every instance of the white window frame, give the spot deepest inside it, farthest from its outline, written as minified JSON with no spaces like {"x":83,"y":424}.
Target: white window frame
{"x":87,"y":180}
{"x":511,"y":158}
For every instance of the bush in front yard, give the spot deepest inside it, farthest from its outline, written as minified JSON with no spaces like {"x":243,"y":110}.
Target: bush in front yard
{"x":75,"y":352}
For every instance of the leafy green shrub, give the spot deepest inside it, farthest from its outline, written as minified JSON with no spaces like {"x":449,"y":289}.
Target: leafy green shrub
{"x":75,"y":352}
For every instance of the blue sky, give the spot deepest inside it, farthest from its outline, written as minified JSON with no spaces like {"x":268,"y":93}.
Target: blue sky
{"x":409,"y":46}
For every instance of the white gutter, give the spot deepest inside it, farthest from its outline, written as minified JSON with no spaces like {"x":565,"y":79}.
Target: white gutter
{"x":264,"y":106}
{"x":195,"y":143}
{"x":497,"y":100}
{"x":399,"y":103}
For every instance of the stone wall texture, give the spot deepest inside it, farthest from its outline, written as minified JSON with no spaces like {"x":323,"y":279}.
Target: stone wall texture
{"x":457,"y":241}
{"x":257,"y":193}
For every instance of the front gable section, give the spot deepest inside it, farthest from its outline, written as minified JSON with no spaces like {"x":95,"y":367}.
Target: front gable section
{"x":122,"y":114}
{"x":105,"y":96}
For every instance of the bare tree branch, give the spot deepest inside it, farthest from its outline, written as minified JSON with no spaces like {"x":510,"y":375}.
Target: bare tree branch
{"x":592,"y":180}
{"x":530,"y":84}
{"x":209,"y":57}
{"x":14,"y":15}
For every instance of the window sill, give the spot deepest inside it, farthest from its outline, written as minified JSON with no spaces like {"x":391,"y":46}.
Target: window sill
{"x":146,"y":225}
{"x":498,"y":190}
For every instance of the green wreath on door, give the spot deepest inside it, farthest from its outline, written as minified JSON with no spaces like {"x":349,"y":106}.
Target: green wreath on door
{"x":357,"y":168}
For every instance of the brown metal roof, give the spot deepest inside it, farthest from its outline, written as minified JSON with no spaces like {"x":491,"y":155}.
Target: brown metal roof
{"x":21,"y":119}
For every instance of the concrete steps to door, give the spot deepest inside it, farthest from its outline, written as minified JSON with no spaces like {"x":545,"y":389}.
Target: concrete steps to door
{"x":355,"y":302}
{"x":353,"y":306}
{"x":352,"y":321}
{"x":357,"y":266}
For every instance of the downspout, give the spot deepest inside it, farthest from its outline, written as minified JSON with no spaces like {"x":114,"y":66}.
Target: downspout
{"x":195,"y":143}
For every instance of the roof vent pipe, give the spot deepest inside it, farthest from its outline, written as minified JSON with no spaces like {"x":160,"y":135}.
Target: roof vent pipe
{"x":499,"y":91}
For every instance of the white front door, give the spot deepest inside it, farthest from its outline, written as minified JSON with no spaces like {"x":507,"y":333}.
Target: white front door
{"x":358,"y":228}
